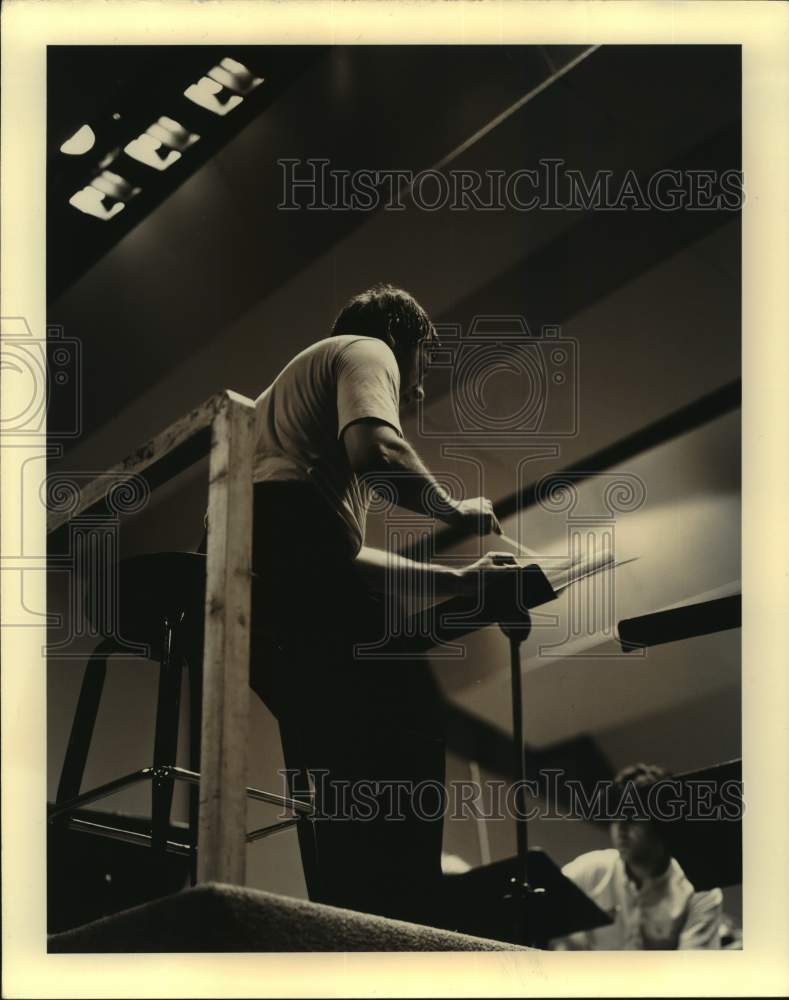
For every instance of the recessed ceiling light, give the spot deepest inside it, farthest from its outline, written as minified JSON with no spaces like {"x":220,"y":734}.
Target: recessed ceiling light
{"x":235,"y":76}
{"x":105,"y":196}
{"x":107,"y":160}
{"x":172,"y":133}
{"x":93,"y":202}
{"x":206,"y":93}
{"x":114,"y":185}
{"x":234,"y":66}
{"x":80,"y":143}
{"x":152,"y":152}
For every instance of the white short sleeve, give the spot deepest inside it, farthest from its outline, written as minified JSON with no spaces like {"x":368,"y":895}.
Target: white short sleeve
{"x":702,"y":927}
{"x":589,"y":870}
{"x":368,"y":384}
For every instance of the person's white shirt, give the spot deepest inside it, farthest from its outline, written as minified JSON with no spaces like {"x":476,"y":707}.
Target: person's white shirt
{"x":301,"y":416}
{"x":664,"y":912}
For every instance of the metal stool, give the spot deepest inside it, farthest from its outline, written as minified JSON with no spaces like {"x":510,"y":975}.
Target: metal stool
{"x":162,"y":612}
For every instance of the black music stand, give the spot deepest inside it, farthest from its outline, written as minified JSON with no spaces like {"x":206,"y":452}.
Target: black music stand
{"x":554,"y":905}
{"x":685,"y":622}
{"x":523,"y":892}
{"x":539,"y":895}
{"x":700,"y":822}
{"x":708,"y":850}
{"x":543,"y":903}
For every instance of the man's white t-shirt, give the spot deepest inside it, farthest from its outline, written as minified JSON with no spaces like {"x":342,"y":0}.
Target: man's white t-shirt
{"x":663,"y":913}
{"x":301,"y":417}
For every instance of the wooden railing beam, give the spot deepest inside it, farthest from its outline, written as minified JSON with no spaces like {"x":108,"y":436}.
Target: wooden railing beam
{"x":221,"y":855}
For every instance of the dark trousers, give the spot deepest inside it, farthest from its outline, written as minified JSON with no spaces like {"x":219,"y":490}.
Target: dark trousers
{"x":368,"y":731}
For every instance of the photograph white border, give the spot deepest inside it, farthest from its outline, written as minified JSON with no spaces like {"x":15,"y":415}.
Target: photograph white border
{"x":762,"y":28}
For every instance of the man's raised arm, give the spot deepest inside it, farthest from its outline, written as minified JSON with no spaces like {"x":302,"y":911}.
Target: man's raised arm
{"x":378,"y":454}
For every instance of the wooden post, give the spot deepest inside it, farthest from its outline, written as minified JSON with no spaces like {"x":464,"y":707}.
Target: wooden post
{"x":221,"y":852}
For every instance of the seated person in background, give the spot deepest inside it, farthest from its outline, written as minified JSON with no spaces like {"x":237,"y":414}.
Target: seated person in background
{"x":642,"y":887}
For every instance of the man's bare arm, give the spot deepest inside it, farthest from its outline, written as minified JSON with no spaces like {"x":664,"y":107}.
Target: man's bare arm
{"x":376,"y":451}
{"x":388,"y":572}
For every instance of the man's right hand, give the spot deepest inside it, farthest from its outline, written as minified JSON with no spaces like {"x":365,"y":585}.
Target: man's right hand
{"x":470,"y":576}
{"x":475,"y":515}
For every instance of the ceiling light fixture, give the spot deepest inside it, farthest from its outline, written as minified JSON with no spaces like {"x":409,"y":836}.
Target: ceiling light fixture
{"x":172,"y":134}
{"x":114,"y":185}
{"x":235,"y":76}
{"x":206,"y":93}
{"x":161,"y":144}
{"x":91,"y":201}
{"x":152,"y":152}
{"x":80,"y":143}
{"x":109,"y":157}
{"x":105,"y":196}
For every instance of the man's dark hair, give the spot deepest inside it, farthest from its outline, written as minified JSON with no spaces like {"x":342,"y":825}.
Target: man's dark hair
{"x":386,"y":313}
{"x":634,"y":781}
{"x":640,"y":775}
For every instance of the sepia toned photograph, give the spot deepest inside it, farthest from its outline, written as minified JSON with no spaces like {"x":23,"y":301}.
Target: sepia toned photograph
{"x":386,"y":431}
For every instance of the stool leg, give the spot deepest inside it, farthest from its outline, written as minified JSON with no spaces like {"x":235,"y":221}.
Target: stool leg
{"x":166,"y":738}
{"x":84,"y":723}
{"x":308,"y":841}
{"x":299,"y":781}
{"x":195,"y":728}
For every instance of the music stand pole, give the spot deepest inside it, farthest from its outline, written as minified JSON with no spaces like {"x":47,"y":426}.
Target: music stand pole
{"x":517,"y":634}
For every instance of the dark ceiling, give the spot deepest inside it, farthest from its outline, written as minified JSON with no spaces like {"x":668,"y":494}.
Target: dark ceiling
{"x":207,"y":257}
{"x":120,"y":90}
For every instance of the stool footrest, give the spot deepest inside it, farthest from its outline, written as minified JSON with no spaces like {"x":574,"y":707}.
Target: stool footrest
{"x":301,"y":808}
{"x":269,"y":831}
{"x":141,"y":839}
{"x":297,"y":805}
{"x":127,"y":836}
{"x":100,"y":792}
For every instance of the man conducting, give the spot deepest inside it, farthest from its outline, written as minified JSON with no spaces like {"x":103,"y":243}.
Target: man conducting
{"x":328,"y":440}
